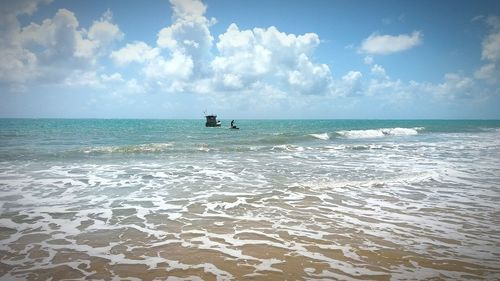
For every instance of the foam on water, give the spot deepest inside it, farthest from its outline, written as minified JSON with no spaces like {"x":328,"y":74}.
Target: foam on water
{"x":377,"y":133}
{"x":140,"y":148}
{"x":349,"y":208}
{"x":323,"y":136}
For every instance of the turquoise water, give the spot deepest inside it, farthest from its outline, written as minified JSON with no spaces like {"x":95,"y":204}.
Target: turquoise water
{"x":46,"y":139}
{"x":301,"y":199}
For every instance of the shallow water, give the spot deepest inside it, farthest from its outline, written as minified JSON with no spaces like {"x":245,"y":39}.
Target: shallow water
{"x":276,"y":200}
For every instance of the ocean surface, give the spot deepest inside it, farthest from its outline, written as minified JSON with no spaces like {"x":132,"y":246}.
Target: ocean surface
{"x":275,"y":200}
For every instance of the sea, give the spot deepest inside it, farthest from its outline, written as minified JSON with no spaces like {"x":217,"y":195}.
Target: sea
{"x":104,"y":199}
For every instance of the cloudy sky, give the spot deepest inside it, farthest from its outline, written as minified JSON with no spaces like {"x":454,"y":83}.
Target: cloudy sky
{"x":250,"y":59}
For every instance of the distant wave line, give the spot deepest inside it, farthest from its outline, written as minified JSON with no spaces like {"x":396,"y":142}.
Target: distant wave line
{"x":377,"y":133}
{"x":140,"y":148}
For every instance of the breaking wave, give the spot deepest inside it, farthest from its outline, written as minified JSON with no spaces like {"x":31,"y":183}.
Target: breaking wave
{"x":323,"y":136}
{"x":140,"y":148}
{"x":377,"y":133}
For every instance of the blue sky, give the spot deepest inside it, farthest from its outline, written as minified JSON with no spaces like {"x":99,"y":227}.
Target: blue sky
{"x":250,"y":59}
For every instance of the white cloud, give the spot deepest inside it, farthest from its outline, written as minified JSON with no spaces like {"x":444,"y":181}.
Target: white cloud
{"x":189,"y":34}
{"x":182,"y":52}
{"x":240,"y":57}
{"x":379,"y":71}
{"x":491,"y":47}
{"x":80,"y":78}
{"x":490,"y":52}
{"x":183,"y":59}
{"x":91,"y":79}
{"x":254,"y":69}
{"x":244,"y":60}
{"x":58,"y":37}
{"x":257,"y":55}
{"x":115,"y":77}
{"x":352,"y":76}
{"x":139,"y":52}
{"x":391,"y":90}
{"x":232,"y":81}
{"x":133,"y":87}
{"x":179,"y":67}
{"x":49,"y":51}
{"x":477,"y":18}
{"x":9,"y":11}
{"x":388,"y":44}
{"x":188,"y":8}
{"x":309,"y":78}
{"x":104,"y":32}
{"x":487,"y":71}
{"x":455,"y":85}
{"x":258,"y":65}
{"x":17,"y":65}
{"x":493,"y":22}
{"x":115,"y":86}
{"x":350,"y":84}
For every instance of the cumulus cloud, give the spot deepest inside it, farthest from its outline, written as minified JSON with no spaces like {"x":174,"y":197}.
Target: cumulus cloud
{"x":181,"y":57}
{"x":241,"y":60}
{"x":378,"y":70}
{"x":9,"y":11}
{"x":103,"y":32}
{"x":309,"y":78}
{"x":184,"y":59}
{"x":350,"y":84}
{"x":115,"y":84}
{"x":115,"y":77}
{"x":249,"y":57}
{"x":17,"y":65}
{"x":455,"y":86}
{"x":352,"y":76}
{"x":80,"y":78}
{"x":53,"y":48}
{"x":189,"y":34}
{"x":487,"y":71}
{"x":257,"y":65}
{"x":188,"y":9}
{"x":491,"y":47}
{"x":137,"y":51}
{"x":178,"y":67}
{"x":490,"y":72}
{"x":58,"y":37}
{"x":387,"y":44}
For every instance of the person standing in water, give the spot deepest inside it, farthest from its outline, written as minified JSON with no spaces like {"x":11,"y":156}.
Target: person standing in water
{"x":232,"y":123}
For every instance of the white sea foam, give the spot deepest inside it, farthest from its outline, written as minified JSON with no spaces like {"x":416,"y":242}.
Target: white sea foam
{"x":288,"y":147}
{"x":323,"y":136}
{"x":377,"y":133}
{"x":317,"y":210}
{"x":352,"y":147}
{"x":140,"y":148}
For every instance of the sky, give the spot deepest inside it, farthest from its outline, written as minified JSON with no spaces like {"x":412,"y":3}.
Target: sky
{"x":260,"y":59}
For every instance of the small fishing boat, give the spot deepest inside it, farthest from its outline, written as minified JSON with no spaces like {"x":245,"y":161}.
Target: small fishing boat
{"x":212,"y":121}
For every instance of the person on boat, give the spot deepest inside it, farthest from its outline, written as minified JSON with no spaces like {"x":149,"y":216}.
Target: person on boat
{"x":233,"y":126}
